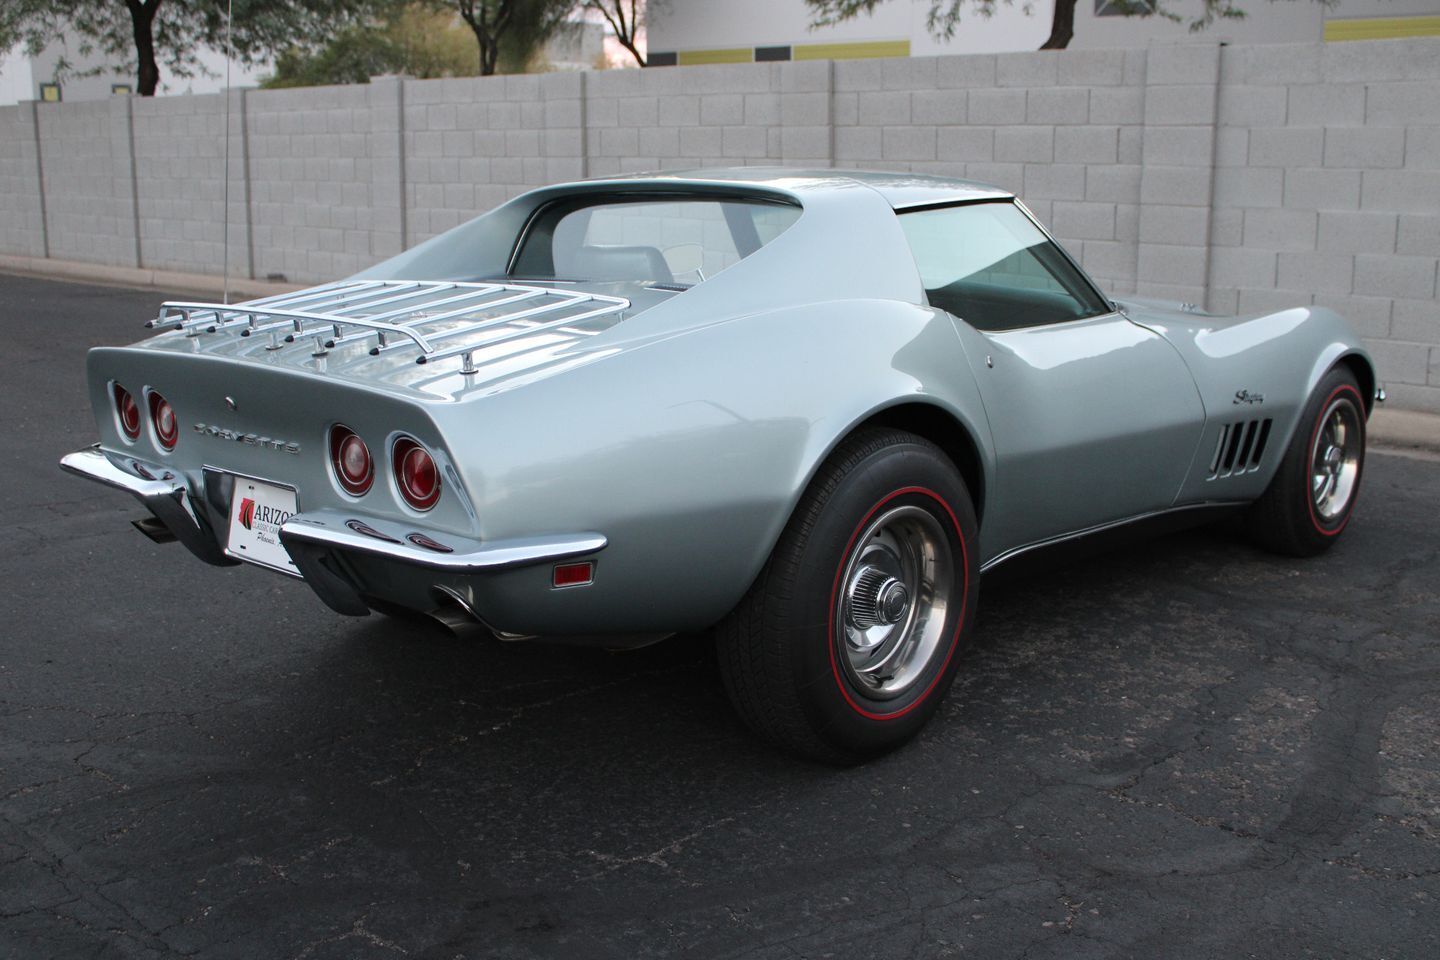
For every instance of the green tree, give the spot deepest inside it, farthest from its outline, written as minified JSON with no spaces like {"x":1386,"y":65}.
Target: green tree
{"x":353,"y":55}
{"x":944,"y":15}
{"x":432,"y":42}
{"x":170,"y":32}
{"x":414,"y":38}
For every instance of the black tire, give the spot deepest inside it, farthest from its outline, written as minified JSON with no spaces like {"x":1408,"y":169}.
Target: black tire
{"x":1294,"y":516}
{"x":794,"y":662}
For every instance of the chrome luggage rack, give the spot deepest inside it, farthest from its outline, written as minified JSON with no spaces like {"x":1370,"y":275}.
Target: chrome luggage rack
{"x":397,"y":314}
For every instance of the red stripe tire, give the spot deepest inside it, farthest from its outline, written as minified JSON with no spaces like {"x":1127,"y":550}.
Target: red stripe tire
{"x":851,"y":636}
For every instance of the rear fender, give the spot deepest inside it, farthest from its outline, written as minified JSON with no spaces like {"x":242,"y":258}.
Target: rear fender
{"x":689,"y":454}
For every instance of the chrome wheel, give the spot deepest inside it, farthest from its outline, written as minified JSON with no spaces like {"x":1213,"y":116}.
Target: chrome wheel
{"x":1335,"y":459}
{"x":896,"y":589}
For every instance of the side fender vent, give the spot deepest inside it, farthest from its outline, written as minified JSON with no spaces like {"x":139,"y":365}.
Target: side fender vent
{"x":1239,"y":448}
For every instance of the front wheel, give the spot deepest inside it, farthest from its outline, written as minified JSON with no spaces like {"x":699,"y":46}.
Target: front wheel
{"x":850,"y":637}
{"x":1308,"y":503}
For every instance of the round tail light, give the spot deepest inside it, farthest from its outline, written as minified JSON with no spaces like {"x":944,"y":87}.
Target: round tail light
{"x":128,"y":411}
{"x":350,"y":459}
{"x":167,"y":431}
{"x":416,"y":474}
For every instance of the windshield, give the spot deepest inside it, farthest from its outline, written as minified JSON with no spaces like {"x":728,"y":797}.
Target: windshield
{"x":674,"y":241}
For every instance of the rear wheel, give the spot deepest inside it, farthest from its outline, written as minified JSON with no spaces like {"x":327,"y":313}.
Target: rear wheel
{"x":850,"y":637}
{"x":1308,"y":503}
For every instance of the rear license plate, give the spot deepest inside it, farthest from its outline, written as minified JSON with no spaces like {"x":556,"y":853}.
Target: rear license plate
{"x":257,"y":509}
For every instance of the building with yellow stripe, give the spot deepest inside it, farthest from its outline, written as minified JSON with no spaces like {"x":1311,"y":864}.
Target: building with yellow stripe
{"x":688,"y":32}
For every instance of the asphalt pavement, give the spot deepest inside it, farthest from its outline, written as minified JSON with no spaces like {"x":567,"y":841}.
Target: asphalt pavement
{"x":1183,"y":748}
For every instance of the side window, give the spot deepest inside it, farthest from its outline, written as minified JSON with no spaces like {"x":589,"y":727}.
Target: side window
{"x":771,"y":221}
{"x":989,"y":265}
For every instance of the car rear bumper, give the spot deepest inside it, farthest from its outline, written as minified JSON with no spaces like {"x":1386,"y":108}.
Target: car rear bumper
{"x":344,"y":559}
{"x":162,"y":491}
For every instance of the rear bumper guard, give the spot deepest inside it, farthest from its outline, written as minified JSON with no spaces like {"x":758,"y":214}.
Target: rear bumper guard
{"x":163,"y":492}
{"x":320,"y":542}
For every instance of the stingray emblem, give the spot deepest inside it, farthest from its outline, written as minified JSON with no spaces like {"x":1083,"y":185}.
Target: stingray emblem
{"x":1245,"y":396}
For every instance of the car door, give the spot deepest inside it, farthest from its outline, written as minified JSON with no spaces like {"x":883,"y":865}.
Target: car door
{"x":1093,"y":418}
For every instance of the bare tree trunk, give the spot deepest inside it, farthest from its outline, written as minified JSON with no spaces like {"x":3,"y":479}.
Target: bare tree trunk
{"x":630,"y":45}
{"x":487,"y":30}
{"x":1062,"y":27}
{"x":489,"y":55}
{"x":142,"y":23}
{"x":624,"y":31}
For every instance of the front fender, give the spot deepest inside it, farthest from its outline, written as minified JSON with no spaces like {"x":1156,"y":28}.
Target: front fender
{"x":1279,"y":356}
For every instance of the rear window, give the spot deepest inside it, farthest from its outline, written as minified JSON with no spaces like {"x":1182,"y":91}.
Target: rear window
{"x":681,"y":241}
{"x":989,"y":265}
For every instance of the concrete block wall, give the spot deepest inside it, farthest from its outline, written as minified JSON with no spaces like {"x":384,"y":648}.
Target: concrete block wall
{"x":720,"y":115}
{"x":1242,"y":178}
{"x":180,"y":182}
{"x":1328,"y":192}
{"x":22,"y":223}
{"x":87,"y":173}
{"x":1177,"y":171}
{"x":474,"y":142}
{"x":310,"y":163}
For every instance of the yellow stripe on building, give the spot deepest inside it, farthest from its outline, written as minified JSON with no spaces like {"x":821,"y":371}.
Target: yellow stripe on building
{"x":1382,"y":28}
{"x":689,"y":58}
{"x":851,"y":51}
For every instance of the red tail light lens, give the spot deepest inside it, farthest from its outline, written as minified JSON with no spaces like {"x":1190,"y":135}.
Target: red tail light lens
{"x":350,"y":459}
{"x":416,"y":474}
{"x":128,"y":411}
{"x":167,"y":431}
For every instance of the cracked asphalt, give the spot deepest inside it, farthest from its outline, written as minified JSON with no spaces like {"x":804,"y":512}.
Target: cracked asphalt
{"x":1184,"y":748}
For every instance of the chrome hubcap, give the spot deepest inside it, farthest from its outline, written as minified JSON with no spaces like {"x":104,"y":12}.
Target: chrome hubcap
{"x":1335,"y":459}
{"x":898,"y":585}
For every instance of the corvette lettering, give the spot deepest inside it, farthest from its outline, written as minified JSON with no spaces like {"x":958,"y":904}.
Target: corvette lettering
{"x":252,"y":439}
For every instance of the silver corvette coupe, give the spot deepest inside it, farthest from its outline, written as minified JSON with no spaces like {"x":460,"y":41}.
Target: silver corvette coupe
{"x":805,"y":409}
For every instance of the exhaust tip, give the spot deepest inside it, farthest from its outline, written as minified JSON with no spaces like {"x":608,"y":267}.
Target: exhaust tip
{"x":155,"y":529}
{"x":457,"y":614}
{"x":454,"y":613}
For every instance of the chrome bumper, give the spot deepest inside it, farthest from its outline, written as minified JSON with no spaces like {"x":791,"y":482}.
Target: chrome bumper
{"x":321,"y":542}
{"x":327,"y":546}
{"x":163,"y":493}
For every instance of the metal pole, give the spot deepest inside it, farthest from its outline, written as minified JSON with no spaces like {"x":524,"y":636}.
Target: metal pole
{"x":225,"y":217}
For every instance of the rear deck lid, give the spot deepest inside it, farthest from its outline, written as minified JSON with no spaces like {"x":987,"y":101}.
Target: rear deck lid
{"x":437,"y":337}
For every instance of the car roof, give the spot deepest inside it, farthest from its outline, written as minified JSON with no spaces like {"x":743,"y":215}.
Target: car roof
{"x":900,"y":189}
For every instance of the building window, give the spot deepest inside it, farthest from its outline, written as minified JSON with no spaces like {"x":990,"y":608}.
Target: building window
{"x":50,"y":92}
{"x":1125,"y":8}
{"x":661,"y":59}
{"x":765,"y":54}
